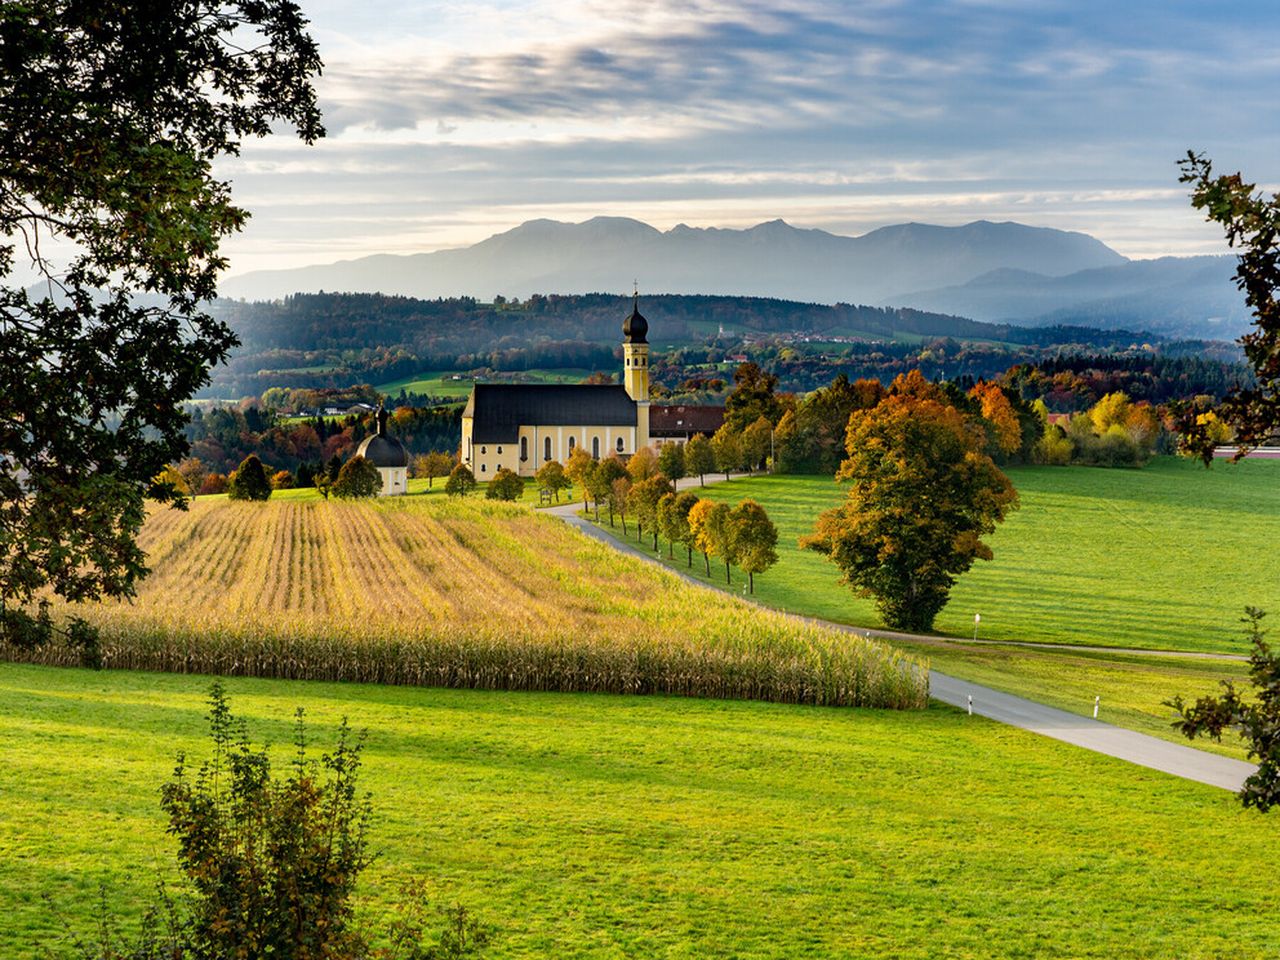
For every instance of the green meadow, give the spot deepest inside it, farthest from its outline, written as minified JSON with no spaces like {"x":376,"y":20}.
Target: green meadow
{"x":440,"y":383}
{"x":607,"y":826}
{"x":1164,"y":558}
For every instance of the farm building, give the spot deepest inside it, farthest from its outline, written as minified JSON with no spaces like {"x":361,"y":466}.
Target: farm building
{"x":522,"y":426}
{"x":387,"y":454}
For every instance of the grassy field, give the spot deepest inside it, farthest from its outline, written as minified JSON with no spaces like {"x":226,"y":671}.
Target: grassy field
{"x":1163,"y":558}
{"x":461,"y":593}
{"x":602,"y":826}
{"x":440,"y":383}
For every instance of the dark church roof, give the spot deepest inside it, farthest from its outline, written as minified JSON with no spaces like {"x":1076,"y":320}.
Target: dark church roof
{"x":681,"y":420}
{"x":498,"y":410}
{"x":635,"y":328}
{"x":382,"y":449}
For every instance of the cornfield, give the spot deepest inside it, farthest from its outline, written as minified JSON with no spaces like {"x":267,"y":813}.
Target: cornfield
{"x":473,"y":594}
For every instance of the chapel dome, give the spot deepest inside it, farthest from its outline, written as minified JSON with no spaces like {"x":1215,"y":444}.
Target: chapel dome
{"x":381,"y":449}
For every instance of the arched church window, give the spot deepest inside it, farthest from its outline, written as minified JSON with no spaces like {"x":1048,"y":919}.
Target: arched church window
{"x":619,"y":444}
{"x":483,"y":450}
{"x":572,"y":444}
{"x":546,"y":449}
{"x":524,"y":448}
{"x":595,"y":447}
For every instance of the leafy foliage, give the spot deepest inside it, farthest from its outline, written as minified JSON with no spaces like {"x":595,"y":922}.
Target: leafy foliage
{"x":551,"y":476}
{"x":505,"y":485}
{"x":755,"y":539}
{"x":923,"y":494}
{"x":357,"y":479}
{"x":461,"y":481}
{"x":699,"y":458}
{"x":113,"y":117}
{"x":1256,"y":721}
{"x":1252,"y":224}
{"x":249,"y":482}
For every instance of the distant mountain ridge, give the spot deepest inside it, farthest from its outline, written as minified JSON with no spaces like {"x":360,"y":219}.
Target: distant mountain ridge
{"x":1000,"y":271}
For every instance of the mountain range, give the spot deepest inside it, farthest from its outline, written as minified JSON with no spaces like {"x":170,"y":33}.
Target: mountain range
{"x":982,"y":270}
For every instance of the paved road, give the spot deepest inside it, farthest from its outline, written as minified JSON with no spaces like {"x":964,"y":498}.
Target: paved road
{"x":1147,"y":751}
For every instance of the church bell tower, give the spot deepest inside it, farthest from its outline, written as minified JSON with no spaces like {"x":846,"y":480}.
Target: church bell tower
{"x":635,"y":360}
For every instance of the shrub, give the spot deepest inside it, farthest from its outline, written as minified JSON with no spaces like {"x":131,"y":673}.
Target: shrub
{"x":505,"y":485}
{"x":461,"y":481}
{"x":358,"y":478}
{"x":249,"y":481}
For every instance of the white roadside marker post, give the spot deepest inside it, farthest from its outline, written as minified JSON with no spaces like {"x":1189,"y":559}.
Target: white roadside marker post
{"x":1095,"y":707}
{"x":971,"y":704}
{"x":977,"y":619}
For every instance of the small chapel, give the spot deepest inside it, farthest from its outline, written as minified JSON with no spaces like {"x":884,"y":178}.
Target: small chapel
{"x":387,"y":454}
{"x":523,"y":426}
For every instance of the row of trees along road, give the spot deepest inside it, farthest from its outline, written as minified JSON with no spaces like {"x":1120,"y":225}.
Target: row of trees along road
{"x":640,"y":490}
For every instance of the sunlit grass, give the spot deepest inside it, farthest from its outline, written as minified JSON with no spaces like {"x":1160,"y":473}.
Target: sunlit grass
{"x":604,"y":826}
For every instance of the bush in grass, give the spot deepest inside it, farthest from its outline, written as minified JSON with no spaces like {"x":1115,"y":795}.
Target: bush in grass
{"x":271,"y":860}
{"x":358,"y":478}
{"x":249,"y":481}
{"x":505,"y":485}
{"x":461,"y":481}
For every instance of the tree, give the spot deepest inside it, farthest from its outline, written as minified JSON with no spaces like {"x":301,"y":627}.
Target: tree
{"x":551,"y":477}
{"x":249,"y":482}
{"x":755,"y":443}
{"x":112,"y":119}
{"x":601,"y":481}
{"x":754,"y":538}
{"x":671,"y":461}
{"x":281,"y":480}
{"x":670,"y":524}
{"x":923,"y":494}
{"x":1256,"y":721}
{"x":726,"y":446}
{"x":193,"y":471}
{"x":719,"y":536}
{"x":505,"y":485}
{"x":700,"y":530}
{"x":642,"y":464}
{"x":357,"y":479}
{"x":1252,"y":224}
{"x":684,"y":503}
{"x":999,"y":413}
{"x":461,"y":481}
{"x":324,"y":486}
{"x":645,"y":497}
{"x":170,"y":477}
{"x":577,"y":468}
{"x":432,"y":465}
{"x":620,"y":499}
{"x":752,"y":397}
{"x":699,"y":460}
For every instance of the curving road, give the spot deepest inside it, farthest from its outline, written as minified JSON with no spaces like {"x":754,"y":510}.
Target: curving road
{"x":1129,"y":745}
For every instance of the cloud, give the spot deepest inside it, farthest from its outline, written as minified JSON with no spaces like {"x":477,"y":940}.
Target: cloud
{"x":450,"y":121}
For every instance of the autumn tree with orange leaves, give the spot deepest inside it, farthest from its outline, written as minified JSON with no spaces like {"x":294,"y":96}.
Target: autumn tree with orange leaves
{"x":922,"y":495}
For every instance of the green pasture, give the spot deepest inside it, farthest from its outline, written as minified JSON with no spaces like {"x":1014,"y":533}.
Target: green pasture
{"x":605,"y":826}
{"x":417,"y":487}
{"x":438,"y":383}
{"x":1165,"y":557}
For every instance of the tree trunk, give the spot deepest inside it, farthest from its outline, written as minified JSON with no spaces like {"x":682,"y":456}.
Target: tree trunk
{"x":702,"y":479}
{"x":726,"y":572}
{"x":656,"y":548}
{"x":707,"y":558}
{"x":751,"y":582}
{"x":690,"y":549}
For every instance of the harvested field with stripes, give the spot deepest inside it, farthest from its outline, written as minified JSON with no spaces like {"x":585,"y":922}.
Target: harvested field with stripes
{"x":420,"y":590}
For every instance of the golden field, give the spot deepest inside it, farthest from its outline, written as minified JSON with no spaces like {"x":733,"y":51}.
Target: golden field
{"x":428,"y":591}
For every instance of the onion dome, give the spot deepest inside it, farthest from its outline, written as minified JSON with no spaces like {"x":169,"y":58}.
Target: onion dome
{"x":381,"y":449}
{"x":635,"y":328}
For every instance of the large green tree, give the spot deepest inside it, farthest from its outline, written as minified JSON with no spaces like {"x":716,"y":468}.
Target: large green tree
{"x":752,"y":397}
{"x":1251,"y":220}
{"x":357,"y":479}
{"x":923,"y":494}
{"x":755,"y":539}
{"x":113,"y":114}
{"x":249,"y":482}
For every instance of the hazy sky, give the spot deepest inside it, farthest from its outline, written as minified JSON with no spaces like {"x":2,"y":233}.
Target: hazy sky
{"x":451,"y":121}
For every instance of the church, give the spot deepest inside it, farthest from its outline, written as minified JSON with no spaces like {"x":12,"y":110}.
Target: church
{"x":523,"y":426}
